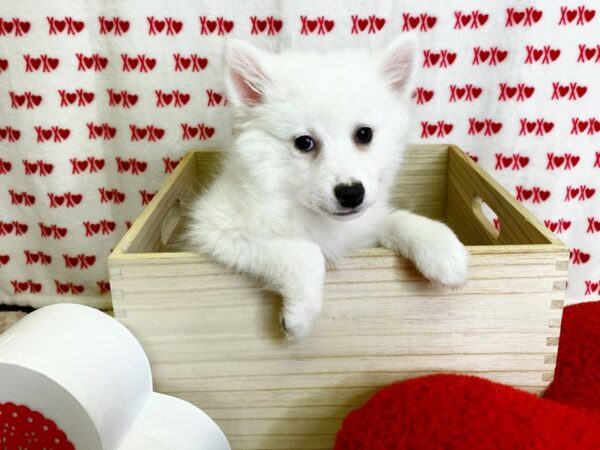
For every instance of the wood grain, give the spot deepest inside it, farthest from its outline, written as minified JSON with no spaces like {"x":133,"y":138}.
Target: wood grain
{"x":213,"y":337}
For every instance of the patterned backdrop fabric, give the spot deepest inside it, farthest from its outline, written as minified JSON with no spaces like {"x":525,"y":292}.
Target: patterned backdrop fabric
{"x":99,"y":99}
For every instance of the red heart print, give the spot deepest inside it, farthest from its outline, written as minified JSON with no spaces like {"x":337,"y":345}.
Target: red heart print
{"x":518,"y":16}
{"x":4,"y":259}
{"x":60,"y":25}
{"x":185,"y":62}
{"x":589,"y":14}
{"x":589,"y":53}
{"x":24,"y":27}
{"x":212,"y":25}
{"x":329,"y":25}
{"x":53,"y":63}
{"x":434,"y":58}
{"x":35,"y":63}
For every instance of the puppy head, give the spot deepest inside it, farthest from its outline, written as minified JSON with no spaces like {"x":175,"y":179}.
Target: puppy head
{"x":326,"y":129}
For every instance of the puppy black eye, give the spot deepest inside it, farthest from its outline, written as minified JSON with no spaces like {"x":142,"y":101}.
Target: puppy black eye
{"x":304,"y":143}
{"x":363,"y":135}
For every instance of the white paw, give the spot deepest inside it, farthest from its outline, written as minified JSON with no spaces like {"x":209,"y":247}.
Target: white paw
{"x":440,"y":256}
{"x":296,"y":324}
{"x":303,"y":294}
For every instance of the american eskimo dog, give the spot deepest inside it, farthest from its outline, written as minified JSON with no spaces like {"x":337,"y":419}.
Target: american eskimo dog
{"x":318,"y":139}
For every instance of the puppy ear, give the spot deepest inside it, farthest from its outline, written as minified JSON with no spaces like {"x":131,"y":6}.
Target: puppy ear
{"x":399,"y":63}
{"x":245,"y":75}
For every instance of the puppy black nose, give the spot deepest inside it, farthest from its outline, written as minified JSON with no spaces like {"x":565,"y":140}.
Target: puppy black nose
{"x":349,"y":195}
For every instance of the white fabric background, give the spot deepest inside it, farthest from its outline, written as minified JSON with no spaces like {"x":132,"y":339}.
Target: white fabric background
{"x":73,"y":268}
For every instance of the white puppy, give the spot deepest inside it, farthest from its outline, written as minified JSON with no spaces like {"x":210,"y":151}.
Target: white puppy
{"x":318,"y":139}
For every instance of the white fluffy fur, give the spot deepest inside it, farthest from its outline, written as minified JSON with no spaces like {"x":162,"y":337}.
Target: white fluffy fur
{"x":270,"y":212}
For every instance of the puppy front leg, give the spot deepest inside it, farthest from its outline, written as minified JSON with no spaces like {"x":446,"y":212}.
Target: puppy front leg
{"x":430,"y":245}
{"x":293,"y":267}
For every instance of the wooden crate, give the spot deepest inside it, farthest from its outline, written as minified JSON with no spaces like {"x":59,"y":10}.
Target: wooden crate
{"x":213,"y":338}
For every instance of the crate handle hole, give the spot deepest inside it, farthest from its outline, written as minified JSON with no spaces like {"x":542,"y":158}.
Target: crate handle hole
{"x":170,"y":222}
{"x":486,"y":216}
